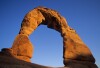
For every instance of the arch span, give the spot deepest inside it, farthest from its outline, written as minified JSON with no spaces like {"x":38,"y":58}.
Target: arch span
{"x":74,"y":50}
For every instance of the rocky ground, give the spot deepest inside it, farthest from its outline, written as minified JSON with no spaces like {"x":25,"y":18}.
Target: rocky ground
{"x":11,"y":62}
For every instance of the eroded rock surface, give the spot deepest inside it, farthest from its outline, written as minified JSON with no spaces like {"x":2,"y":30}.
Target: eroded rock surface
{"x":75,"y":53}
{"x":22,"y":48}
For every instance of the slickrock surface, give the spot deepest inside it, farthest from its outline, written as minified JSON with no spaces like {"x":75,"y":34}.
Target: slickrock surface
{"x":75,"y":53}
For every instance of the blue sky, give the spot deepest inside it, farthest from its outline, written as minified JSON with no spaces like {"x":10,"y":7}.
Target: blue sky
{"x":82,"y":15}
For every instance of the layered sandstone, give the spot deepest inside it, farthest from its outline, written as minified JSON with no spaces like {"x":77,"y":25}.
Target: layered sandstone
{"x":75,"y":53}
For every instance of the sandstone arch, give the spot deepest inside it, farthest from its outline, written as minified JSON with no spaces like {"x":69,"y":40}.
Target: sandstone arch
{"x":74,"y":50}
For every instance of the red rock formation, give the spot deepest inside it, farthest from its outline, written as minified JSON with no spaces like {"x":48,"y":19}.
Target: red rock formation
{"x":75,"y":53}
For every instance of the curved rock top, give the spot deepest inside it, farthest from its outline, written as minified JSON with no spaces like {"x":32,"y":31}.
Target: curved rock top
{"x":49,"y":17}
{"x":42,"y":15}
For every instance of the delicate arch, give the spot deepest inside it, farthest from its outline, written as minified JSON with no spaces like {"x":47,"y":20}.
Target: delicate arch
{"x":74,"y":50}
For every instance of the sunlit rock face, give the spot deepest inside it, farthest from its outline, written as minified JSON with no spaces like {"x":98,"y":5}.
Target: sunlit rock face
{"x":75,"y":53}
{"x":22,"y":48}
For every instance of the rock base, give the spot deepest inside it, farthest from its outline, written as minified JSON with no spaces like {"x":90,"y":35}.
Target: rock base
{"x":79,"y":64}
{"x":8,"y":60}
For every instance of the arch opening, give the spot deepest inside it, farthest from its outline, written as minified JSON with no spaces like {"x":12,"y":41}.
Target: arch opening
{"x":48,"y":47}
